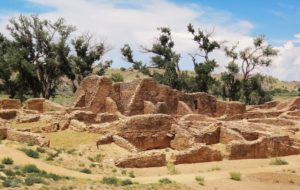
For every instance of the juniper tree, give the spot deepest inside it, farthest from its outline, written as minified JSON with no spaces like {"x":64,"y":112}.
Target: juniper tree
{"x":206,"y":66}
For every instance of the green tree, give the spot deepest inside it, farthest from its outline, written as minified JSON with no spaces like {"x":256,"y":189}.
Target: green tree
{"x":230,"y":83}
{"x":42,"y":52}
{"x":206,"y":66}
{"x":8,"y":80}
{"x":87,"y":56}
{"x":164,"y":58}
{"x":260,"y":54}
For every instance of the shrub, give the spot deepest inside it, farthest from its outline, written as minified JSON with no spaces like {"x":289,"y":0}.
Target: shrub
{"x":54,"y":177}
{"x":171,"y":168}
{"x":278,"y":161}
{"x":164,"y":181}
{"x":123,"y":69}
{"x":11,"y":182}
{"x":31,"y":168}
{"x":40,"y":150}
{"x":126,"y":182}
{"x":86,"y":171}
{"x":31,"y":180}
{"x":110,"y":180}
{"x":235,"y":176}
{"x":31,"y":153}
{"x":123,"y":172}
{"x":131,"y":174}
{"x":200,"y":180}
{"x":7,"y":161}
{"x":116,"y":77}
{"x":9,"y":172}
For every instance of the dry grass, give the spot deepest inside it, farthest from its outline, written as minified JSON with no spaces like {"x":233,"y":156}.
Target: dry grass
{"x":71,"y":139}
{"x":40,"y":123}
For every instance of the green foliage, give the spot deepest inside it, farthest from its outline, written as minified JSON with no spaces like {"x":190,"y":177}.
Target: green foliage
{"x":131,"y":174}
{"x":40,"y":53}
{"x":30,"y":168}
{"x":115,"y":181}
{"x":117,"y":77}
{"x":204,"y":68}
{"x":86,"y":171}
{"x":11,"y":182}
{"x":126,"y":182}
{"x":278,"y":161}
{"x":31,"y":180}
{"x":236,"y":176}
{"x":40,"y":150}
{"x":299,"y":91}
{"x":103,"y":66}
{"x":31,"y":153}
{"x":200,"y":180}
{"x":7,"y":161}
{"x":128,"y":55}
{"x":164,"y":181}
{"x":110,"y":180}
{"x":253,"y":92}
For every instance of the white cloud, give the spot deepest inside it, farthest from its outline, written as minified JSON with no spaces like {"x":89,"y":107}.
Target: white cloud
{"x":135,"y":22}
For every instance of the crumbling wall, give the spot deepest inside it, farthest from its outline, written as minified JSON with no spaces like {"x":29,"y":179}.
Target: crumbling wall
{"x":142,"y":160}
{"x":10,"y":104}
{"x":27,"y":137}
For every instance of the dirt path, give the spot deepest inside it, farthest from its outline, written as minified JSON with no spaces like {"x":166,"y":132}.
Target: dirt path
{"x":213,"y":179}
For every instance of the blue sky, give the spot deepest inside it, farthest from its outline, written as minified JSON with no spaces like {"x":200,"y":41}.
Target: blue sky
{"x":135,"y":21}
{"x":277,"y":19}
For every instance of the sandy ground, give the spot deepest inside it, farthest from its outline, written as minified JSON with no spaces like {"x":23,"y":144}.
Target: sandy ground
{"x":256,"y":173}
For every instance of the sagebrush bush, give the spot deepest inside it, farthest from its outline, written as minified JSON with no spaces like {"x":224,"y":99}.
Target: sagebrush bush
{"x":7,"y":161}
{"x":31,"y":168}
{"x":86,"y":171}
{"x":131,"y":174}
{"x":235,"y":176}
{"x":11,"y":182}
{"x":31,"y":180}
{"x":278,"y":161}
{"x":117,"y":77}
{"x":164,"y":181}
{"x":200,"y":180}
{"x":110,"y":180}
{"x":31,"y":153}
{"x":126,"y":182}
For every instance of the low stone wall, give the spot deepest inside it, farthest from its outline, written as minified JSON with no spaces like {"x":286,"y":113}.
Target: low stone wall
{"x":3,"y":133}
{"x":198,"y":153}
{"x":229,"y":108}
{"x":83,"y":116}
{"x":264,"y":147}
{"x":8,"y":114}
{"x":27,"y":137}
{"x":142,"y":160}
{"x":10,"y":104}
{"x":124,"y":143}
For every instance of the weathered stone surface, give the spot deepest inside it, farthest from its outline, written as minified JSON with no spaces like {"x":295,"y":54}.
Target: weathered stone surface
{"x":196,"y":154}
{"x":229,"y":108}
{"x":27,"y":137}
{"x":142,"y":160}
{"x":264,"y":147}
{"x":8,"y":114}
{"x":42,"y":105}
{"x":105,"y":139}
{"x":145,"y":131}
{"x":182,"y":139}
{"x":3,"y":133}
{"x":106,"y":117}
{"x":10,"y":104}
{"x":84,"y":116}
{"x":228,"y":135}
{"x":149,"y":108}
{"x":77,"y":125}
{"x":111,"y":105}
{"x":124,"y":143}
{"x":183,"y":108}
{"x":28,"y":118}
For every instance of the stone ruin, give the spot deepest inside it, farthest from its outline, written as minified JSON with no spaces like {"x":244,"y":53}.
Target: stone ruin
{"x":146,"y":118}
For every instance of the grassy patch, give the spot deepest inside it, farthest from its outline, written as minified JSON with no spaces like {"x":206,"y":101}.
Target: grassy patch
{"x":86,"y":171}
{"x":200,"y":180}
{"x":236,"y":176}
{"x":164,"y":181}
{"x":69,"y":139}
{"x":278,"y":161}
{"x":7,"y":161}
{"x":116,"y":181}
{"x":171,"y":168}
